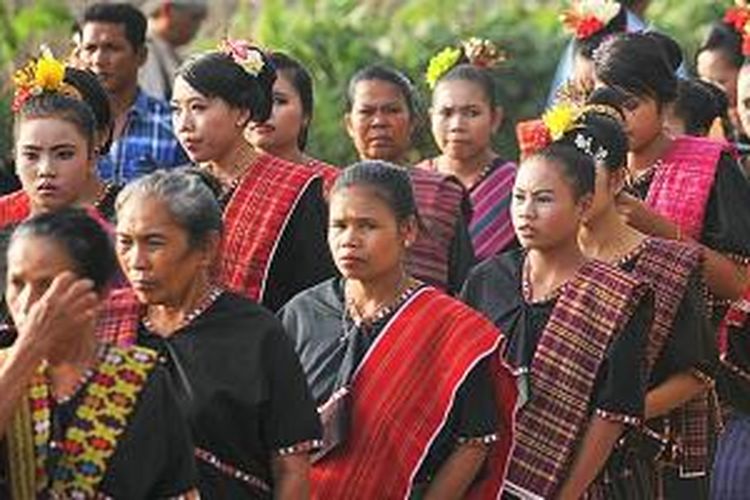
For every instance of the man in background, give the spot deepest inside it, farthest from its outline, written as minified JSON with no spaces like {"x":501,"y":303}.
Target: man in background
{"x":171,"y":25}
{"x":112,"y":45}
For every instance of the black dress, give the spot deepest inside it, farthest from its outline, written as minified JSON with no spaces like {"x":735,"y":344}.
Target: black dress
{"x":154,"y":455}
{"x":315,"y":320}
{"x":242,"y":391}
{"x":494,"y":289}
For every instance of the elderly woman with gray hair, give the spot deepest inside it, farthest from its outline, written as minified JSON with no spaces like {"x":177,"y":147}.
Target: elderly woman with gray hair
{"x":238,"y":380}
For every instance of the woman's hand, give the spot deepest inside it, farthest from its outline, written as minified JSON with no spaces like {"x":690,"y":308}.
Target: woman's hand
{"x":66,"y":308}
{"x":641,"y":217}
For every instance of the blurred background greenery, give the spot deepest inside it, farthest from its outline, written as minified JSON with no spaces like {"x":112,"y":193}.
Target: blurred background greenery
{"x":334,"y":38}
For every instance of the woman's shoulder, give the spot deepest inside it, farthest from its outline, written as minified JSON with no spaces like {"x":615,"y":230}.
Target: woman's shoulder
{"x":325,"y":297}
{"x":503,"y":268}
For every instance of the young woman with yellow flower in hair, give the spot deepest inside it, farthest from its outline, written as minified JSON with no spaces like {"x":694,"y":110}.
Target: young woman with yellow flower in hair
{"x":63,"y":124}
{"x":464,"y":116}
{"x":575,"y":328}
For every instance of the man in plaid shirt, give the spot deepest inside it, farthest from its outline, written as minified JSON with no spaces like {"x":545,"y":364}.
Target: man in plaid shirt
{"x":113,"y":46}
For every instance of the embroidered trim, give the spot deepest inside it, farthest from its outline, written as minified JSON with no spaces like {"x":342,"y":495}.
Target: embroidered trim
{"x":479,"y":441}
{"x":303,"y":447}
{"x":618,"y":417}
{"x":99,"y":420}
{"x":231,"y":471}
{"x":706,"y":379}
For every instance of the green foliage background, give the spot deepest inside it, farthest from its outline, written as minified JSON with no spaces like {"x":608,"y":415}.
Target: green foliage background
{"x":334,"y":38}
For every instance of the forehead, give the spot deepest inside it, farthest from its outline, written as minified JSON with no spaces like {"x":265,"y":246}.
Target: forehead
{"x":183,"y":91}
{"x":358,"y":201}
{"x":143,"y":213}
{"x":375,"y":92}
{"x":102,"y":32}
{"x":713,"y":60}
{"x":47,"y":131}
{"x":458,"y":93}
{"x":539,"y":173}
{"x":284,"y":83}
{"x":37,"y":256}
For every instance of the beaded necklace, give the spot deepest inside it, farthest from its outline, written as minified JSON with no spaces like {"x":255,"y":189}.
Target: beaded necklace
{"x":407,"y":286}
{"x":208,"y":299}
{"x":527,"y":290}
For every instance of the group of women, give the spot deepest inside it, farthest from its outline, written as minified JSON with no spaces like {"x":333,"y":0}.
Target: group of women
{"x":264,"y":324}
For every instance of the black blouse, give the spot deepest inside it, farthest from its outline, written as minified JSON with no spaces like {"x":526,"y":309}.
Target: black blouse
{"x":691,"y":344}
{"x":726,"y":226}
{"x":154,"y":455}
{"x":242,"y":389}
{"x":494,"y":288}
{"x":322,"y":335}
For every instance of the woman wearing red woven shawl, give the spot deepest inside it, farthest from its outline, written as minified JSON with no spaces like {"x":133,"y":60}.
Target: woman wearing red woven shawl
{"x":274,"y":211}
{"x":80,"y":419}
{"x":69,"y":108}
{"x":464,"y":116}
{"x":681,"y":357}
{"x":575,"y":330}
{"x":730,"y":479}
{"x":412,"y":391}
{"x":285,"y":132}
{"x":683,"y":188}
{"x":382,"y":118}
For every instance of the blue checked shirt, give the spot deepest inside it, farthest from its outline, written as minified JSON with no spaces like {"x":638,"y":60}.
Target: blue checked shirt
{"x":146,"y":144}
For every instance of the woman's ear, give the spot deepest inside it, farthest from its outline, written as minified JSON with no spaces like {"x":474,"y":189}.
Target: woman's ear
{"x":617,"y":179}
{"x":584,"y":205}
{"x":498,"y":115}
{"x":211,"y":249}
{"x":409,"y":230}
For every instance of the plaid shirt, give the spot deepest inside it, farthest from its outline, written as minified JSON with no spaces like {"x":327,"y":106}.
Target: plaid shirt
{"x":146,"y":144}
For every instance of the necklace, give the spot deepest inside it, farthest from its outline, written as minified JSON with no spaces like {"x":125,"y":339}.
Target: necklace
{"x":83,"y":379}
{"x":528,"y":292}
{"x":636,"y":180}
{"x":406,"y":286}
{"x":104,"y":193}
{"x":208,"y":299}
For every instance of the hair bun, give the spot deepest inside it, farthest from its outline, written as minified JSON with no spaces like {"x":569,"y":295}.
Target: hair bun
{"x":670,"y":49}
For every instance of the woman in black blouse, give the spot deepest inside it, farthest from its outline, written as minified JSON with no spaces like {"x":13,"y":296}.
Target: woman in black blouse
{"x":575,"y":331}
{"x":239,"y":382}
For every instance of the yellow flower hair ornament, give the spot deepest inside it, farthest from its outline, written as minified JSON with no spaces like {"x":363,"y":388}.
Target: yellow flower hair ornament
{"x":245,"y":54}
{"x":560,"y":119}
{"x":476,"y":51}
{"x":441,"y":63}
{"x":44,"y":74}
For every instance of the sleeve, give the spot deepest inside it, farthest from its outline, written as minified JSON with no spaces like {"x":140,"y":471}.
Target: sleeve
{"x":727,"y":221}
{"x":303,"y":258}
{"x":474,"y":409}
{"x":620,"y":386}
{"x":691,"y":344}
{"x":461,"y":258}
{"x":290,"y":422}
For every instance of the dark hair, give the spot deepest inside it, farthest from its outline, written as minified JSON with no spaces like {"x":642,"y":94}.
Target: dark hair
{"x":64,"y":107}
{"x":389,"y":182}
{"x":577,"y":167}
{"x":216,"y":74}
{"x":642,"y":64}
{"x":389,"y":75}
{"x":601,"y":122}
{"x":93,"y":94}
{"x":586,"y":47}
{"x":125,"y":14}
{"x":302,"y":82}
{"x":84,"y":239}
{"x":190,"y":198}
{"x":699,"y":104}
{"x":723,"y":38}
{"x":471,"y":73}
